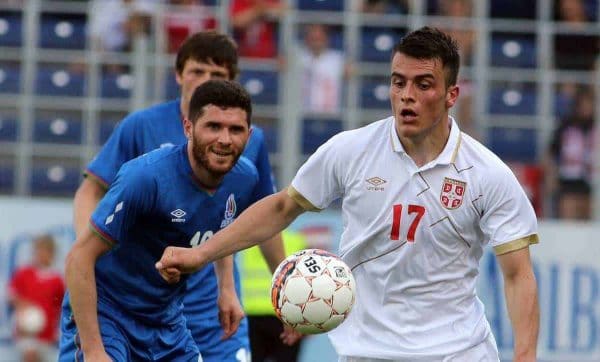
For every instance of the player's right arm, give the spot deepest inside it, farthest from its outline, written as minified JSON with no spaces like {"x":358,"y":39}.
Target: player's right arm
{"x":86,"y":198}
{"x":81,"y":281}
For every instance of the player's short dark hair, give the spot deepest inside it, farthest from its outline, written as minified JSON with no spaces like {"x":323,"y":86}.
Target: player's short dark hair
{"x":432,"y":43}
{"x":209,"y":46}
{"x":220,"y":93}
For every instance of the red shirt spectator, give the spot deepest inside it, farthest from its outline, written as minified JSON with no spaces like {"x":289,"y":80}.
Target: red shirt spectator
{"x":43,"y":288}
{"x":255,"y":29}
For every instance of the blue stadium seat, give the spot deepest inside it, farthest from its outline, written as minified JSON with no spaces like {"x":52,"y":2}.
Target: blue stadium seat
{"x":107,"y":126}
{"x":270,"y":131}
{"x":59,"y":81}
{"x":116,"y":85}
{"x":11,"y":29}
{"x":513,"y":144}
{"x":327,"y":5}
{"x":374,"y":93}
{"x":263,"y":86}
{"x":9,"y":129}
{"x":513,"y":50}
{"x":10,"y":78}
{"x":315,"y":132}
{"x":57,"y":129}
{"x":377,"y":43}
{"x":54,"y":177}
{"x":62,"y":31}
{"x":520,"y":100}
{"x":7,"y":176}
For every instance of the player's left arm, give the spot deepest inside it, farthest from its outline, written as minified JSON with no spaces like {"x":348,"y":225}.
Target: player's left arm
{"x":230,"y":308}
{"x":520,"y":290}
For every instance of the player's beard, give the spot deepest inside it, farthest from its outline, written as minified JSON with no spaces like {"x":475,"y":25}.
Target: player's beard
{"x":201,"y":157}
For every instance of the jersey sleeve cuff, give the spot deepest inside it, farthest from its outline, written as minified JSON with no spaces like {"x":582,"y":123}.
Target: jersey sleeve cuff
{"x":97,"y":179}
{"x":103,"y":235}
{"x":301,"y":200}
{"x":516,"y":244}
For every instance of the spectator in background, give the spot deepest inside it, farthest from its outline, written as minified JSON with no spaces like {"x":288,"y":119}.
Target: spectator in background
{"x":255,"y":28}
{"x":575,"y":51}
{"x":323,"y":70}
{"x":570,"y":161}
{"x":115,"y":23}
{"x":36,"y":292}
{"x":385,"y":6}
{"x":184,"y":18}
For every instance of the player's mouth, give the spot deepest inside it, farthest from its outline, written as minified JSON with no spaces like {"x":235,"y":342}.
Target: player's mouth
{"x":221,"y":153}
{"x":408,"y":115}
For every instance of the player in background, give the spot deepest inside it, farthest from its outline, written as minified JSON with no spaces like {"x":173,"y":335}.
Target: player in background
{"x":420,"y":201}
{"x":203,"y":56}
{"x":117,"y":305}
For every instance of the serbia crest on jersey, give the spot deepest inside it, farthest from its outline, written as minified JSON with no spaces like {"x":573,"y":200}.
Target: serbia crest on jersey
{"x":155,"y":202}
{"x":452,"y":193}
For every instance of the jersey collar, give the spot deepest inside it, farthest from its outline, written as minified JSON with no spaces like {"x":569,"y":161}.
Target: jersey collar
{"x":449,"y":152}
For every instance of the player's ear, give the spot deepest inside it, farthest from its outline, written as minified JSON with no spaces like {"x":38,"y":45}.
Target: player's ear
{"x":452,"y":95}
{"x":188,"y":127}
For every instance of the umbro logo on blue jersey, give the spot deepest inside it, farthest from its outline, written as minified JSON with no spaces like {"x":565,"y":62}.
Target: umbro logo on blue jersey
{"x":111,"y":217}
{"x":179,"y":214}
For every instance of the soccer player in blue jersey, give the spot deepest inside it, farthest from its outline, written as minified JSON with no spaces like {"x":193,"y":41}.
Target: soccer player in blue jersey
{"x":118,"y":306}
{"x":213,"y":310}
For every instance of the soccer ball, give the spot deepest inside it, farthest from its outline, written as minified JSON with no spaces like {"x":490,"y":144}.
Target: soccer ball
{"x":312,"y":291}
{"x":31,"y":320}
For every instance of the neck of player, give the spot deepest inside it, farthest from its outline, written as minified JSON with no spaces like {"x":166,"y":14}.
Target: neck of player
{"x":426,"y":146}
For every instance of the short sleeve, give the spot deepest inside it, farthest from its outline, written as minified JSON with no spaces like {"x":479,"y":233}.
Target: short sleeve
{"x":121,"y":147}
{"x":508,"y":218}
{"x":319,"y":181}
{"x":130,"y":197}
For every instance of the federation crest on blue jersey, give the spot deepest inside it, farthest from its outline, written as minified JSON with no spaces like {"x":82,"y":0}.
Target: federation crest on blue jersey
{"x":230,"y":210}
{"x":452,"y":194}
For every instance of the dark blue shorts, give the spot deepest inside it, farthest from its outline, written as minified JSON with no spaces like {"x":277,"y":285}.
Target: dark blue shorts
{"x":127,"y":339}
{"x":207,"y":333}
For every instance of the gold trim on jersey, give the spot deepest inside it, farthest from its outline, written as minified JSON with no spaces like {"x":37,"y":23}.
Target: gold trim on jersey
{"x":455,"y":153}
{"x":301,"y":200}
{"x":516,"y":244}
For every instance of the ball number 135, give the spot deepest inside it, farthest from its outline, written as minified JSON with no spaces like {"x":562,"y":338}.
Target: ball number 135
{"x":397,"y":221}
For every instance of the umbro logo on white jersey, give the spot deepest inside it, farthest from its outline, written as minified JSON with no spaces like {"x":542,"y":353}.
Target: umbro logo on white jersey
{"x":375,"y":183}
{"x":179,"y":214}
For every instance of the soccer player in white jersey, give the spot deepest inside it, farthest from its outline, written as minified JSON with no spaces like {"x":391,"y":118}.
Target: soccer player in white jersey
{"x":420,"y":201}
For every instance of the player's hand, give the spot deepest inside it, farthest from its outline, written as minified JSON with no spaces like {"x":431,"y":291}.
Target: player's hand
{"x":230,"y":312}
{"x":177,"y":260}
{"x":289,"y":336}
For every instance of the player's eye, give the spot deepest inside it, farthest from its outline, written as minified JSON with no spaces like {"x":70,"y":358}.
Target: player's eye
{"x":424,"y":86}
{"x":218,"y":76}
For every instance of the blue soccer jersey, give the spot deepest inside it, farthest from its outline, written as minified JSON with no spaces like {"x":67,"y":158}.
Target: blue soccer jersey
{"x":155,"y":202}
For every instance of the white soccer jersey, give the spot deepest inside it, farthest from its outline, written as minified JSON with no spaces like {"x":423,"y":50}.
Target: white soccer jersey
{"x":414,"y":236}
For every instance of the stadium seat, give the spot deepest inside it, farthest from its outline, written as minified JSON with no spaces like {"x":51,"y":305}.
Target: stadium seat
{"x":7,"y":176}
{"x":57,"y":129}
{"x":62,"y":31}
{"x":520,"y":100}
{"x":116,"y":85}
{"x":10,"y":78}
{"x":377,"y":43}
{"x":270,"y":130}
{"x":326,"y":5}
{"x":315,"y":132}
{"x":262,"y":86}
{"x":374,"y":93}
{"x":513,"y":50}
{"x":11,"y":29}
{"x":107,"y":126}
{"x":55,"y":177}
{"x":59,"y":81}
{"x":171,"y":86}
{"x":9,"y":129}
{"x":513,"y":144}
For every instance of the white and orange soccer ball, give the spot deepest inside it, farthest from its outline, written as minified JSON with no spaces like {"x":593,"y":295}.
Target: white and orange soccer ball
{"x":312,"y":291}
